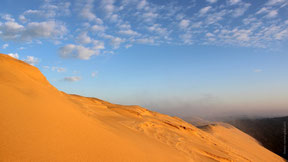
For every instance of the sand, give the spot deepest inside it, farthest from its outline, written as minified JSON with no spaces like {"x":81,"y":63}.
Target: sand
{"x":40,"y":123}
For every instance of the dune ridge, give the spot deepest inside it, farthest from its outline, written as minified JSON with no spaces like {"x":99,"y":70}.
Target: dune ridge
{"x":40,"y":123}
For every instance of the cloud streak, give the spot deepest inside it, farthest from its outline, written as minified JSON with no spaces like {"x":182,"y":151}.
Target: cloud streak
{"x":11,"y":30}
{"x":76,"y":51}
{"x":72,"y":79}
{"x":14,"y":55}
{"x":31,"y":60}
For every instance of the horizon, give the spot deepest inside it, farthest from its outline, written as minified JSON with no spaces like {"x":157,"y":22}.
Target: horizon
{"x":201,"y":58}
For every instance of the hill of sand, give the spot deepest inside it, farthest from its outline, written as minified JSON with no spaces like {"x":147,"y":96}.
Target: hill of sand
{"x":40,"y":123}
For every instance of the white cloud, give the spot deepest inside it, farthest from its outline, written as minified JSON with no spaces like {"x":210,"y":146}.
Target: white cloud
{"x":31,"y":60}
{"x":22,"y":18}
{"x":146,"y":41}
{"x":58,"y":69}
{"x":125,"y":26}
{"x":186,"y":38}
{"x":262,"y":10}
{"x":114,"y":18}
{"x":108,"y":6}
{"x":63,"y":8}
{"x":86,"y":12}
{"x":115,"y":42}
{"x":204,"y":10}
{"x":98,"y":45}
{"x":98,"y":28}
{"x":197,"y":24}
{"x":184,"y":24}
{"x":150,"y":16}
{"x":142,"y":4}
{"x":274,"y":2}
{"x":5,"y":46}
{"x":47,"y":10}
{"x":156,"y":28}
{"x":72,"y":79}
{"x":129,"y":32}
{"x":15,"y":55}
{"x":77,"y":51}
{"x":215,"y":17}
{"x":272,"y":14}
{"x":148,"y":11}
{"x":7,"y":17}
{"x":83,"y":38}
{"x":241,"y":10}
{"x":10,"y":30}
{"x":36,"y":12}
{"x":34,"y":30}
{"x":282,"y":34}
{"x":211,"y":1}
{"x":46,"y":29}
{"x":234,"y":2}
{"x":243,"y":37}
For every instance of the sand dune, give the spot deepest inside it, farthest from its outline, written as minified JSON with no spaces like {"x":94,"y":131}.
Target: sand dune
{"x":40,"y":123}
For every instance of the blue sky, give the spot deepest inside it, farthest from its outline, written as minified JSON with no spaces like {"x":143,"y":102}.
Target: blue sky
{"x":180,"y":57}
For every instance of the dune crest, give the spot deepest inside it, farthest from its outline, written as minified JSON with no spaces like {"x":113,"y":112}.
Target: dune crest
{"x":40,"y":123}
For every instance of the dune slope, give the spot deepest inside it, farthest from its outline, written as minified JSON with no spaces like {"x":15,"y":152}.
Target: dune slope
{"x":40,"y":123}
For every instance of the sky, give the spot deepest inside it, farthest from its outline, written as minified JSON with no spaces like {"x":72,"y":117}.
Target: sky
{"x":185,"y":57}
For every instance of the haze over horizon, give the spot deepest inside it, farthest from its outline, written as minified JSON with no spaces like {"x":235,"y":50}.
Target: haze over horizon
{"x":213,"y":57}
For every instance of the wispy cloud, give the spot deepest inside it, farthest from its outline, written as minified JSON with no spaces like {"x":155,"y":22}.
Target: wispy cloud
{"x":47,"y":10}
{"x":31,"y":60}
{"x":14,"y":31}
{"x":7,"y":17}
{"x":76,"y":51}
{"x":204,"y":10}
{"x":83,"y":38}
{"x":86,"y":8}
{"x":14,"y":55}
{"x":129,"y":32}
{"x":274,"y":2}
{"x":58,"y":69}
{"x":211,"y":1}
{"x":272,"y":14}
{"x":72,"y":79}
{"x":4,"y":46}
{"x":116,"y":41}
{"x":241,"y":9}
{"x":234,"y":2}
{"x":184,"y":24}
